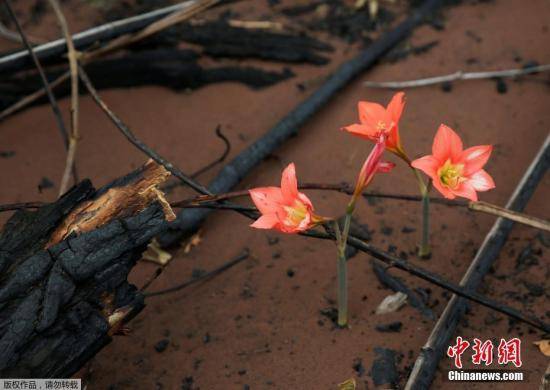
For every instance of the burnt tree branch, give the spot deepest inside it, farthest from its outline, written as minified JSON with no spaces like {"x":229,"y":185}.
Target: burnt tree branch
{"x":64,"y":268}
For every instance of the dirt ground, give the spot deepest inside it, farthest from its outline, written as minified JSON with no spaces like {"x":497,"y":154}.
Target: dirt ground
{"x":259,"y":325}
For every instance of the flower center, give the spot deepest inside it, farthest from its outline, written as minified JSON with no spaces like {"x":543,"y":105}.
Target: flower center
{"x":295,"y":214}
{"x":381,"y":126}
{"x":451,"y":174}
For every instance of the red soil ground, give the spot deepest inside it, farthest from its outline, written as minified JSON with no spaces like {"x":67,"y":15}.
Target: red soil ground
{"x":264,"y":328}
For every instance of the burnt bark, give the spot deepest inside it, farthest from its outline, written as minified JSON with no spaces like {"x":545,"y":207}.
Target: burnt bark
{"x":218,"y":39}
{"x":63,"y":273}
{"x":170,"y":68}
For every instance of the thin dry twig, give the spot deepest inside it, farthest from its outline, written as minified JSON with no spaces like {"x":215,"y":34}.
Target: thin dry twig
{"x":73,"y":65}
{"x":236,"y":260}
{"x":460,"y":75}
{"x":509,"y":214}
{"x":9,"y":35}
{"x":27,"y":100}
{"x":484,"y":207}
{"x":153,"y":28}
{"x":211,"y":202}
{"x":118,"y":43}
{"x":130,"y":136}
{"x":220,"y":159}
{"x":256,"y":24}
{"x":47,"y":88}
{"x":170,"y":186}
{"x":15,"y":37}
{"x":21,"y":206}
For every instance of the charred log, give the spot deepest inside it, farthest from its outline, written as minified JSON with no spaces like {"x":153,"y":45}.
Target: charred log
{"x":63,"y":284}
{"x":219,"y":39}
{"x":174,"y":69}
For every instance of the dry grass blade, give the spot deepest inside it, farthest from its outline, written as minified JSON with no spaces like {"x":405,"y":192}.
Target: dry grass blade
{"x":73,"y":65}
{"x":511,"y":215}
{"x":460,"y":75}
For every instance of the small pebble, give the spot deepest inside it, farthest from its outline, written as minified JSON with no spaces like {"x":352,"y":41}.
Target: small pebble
{"x":502,"y":88}
{"x":446,"y":86}
{"x":391,"y":327}
{"x":162,"y":345}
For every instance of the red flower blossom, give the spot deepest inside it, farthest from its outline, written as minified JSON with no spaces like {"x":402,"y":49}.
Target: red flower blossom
{"x":284,"y":208}
{"x":454,"y":171}
{"x":376,"y":121}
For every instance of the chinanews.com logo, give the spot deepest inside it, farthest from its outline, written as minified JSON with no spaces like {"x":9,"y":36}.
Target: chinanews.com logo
{"x":482,"y":353}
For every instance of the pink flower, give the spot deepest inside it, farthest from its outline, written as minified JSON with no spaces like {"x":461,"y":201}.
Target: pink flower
{"x":372,"y":165}
{"x":376,"y":121}
{"x":284,"y":208}
{"x":454,"y":171}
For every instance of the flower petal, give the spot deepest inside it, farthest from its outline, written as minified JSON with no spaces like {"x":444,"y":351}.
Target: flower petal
{"x":289,"y":184}
{"x":266,"y":221}
{"x":268,"y":200}
{"x":427,"y":164}
{"x":393,"y":143}
{"x":370,"y":166}
{"x":395,"y":107}
{"x":481,"y":181}
{"x":305,"y":200}
{"x":370,"y":114}
{"x":466,"y":190}
{"x":475,"y":158}
{"x":447,"y":144}
{"x":360,"y":131}
{"x":385,"y":166}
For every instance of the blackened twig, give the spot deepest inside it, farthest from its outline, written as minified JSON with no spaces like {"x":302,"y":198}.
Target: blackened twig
{"x":220,"y":159}
{"x":130,"y":136}
{"x":243,"y":256}
{"x":21,"y":206}
{"x":435,"y":279}
{"x":479,"y":206}
{"x":47,"y":88}
{"x":200,"y":171}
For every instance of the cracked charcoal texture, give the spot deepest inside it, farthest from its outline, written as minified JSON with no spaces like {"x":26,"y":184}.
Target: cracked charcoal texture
{"x":53,"y":304}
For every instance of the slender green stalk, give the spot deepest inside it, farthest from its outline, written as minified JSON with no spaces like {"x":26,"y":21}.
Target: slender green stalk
{"x":342,"y":238}
{"x":342,"y":289}
{"x":424,"y":249}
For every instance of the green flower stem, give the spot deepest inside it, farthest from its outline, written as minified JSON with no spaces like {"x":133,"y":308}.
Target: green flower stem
{"x":424,"y":250}
{"x":342,"y":238}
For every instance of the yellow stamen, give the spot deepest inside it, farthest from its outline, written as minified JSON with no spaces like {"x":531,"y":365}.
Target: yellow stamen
{"x":381,"y":126}
{"x":451,"y":174}
{"x":295,"y":214}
